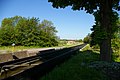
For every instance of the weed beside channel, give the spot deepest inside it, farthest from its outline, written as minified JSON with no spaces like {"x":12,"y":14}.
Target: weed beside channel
{"x":85,"y":66}
{"x":77,"y":68}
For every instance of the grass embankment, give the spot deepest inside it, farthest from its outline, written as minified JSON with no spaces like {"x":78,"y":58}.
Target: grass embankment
{"x":8,"y":49}
{"x":83,"y":66}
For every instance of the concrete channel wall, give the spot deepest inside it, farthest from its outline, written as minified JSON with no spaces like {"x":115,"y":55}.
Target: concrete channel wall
{"x":56,"y":58}
{"x":6,"y":57}
{"x":22,"y":54}
{"x":15,"y":55}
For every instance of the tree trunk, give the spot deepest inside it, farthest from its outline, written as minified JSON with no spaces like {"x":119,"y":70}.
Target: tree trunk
{"x":105,"y":21}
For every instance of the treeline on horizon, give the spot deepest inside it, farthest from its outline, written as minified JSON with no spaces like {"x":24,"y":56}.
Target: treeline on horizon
{"x":27,"y":32}
{"x":94,"y":39}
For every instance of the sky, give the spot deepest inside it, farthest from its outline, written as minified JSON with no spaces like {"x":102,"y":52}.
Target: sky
{"x":69,"y":24}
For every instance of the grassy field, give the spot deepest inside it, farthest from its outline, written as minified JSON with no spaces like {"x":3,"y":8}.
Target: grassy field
{"x":84,"y":66}
{"x":8,"y":49}
{"x":14,"y":49}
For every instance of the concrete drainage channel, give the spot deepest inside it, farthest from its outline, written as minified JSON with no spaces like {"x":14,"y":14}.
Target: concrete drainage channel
{"x":38,"y":65}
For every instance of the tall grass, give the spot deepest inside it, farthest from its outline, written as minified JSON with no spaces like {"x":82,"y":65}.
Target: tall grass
{"x":21,"y":48}
{"x":16,"y":48}
{"x":77,"y":68}
{"x":86,"y":65}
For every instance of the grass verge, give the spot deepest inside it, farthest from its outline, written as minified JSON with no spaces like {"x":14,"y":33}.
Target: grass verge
{"x":85,"y":66}
{"x":77,"y":68}
{"x":8,"y":49}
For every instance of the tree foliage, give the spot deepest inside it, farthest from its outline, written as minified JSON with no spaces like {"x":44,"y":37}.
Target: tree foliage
{"x":98,"y":34}
{"x":116,"y":39}
{"x":87,"y":39}
{"x":104,"y":9}
{"x":27,"y":32}
{"x":90,"y":6}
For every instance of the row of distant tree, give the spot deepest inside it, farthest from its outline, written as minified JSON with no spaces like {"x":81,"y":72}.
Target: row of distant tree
{"x":27,"y":32}
{"x":94,"y":37}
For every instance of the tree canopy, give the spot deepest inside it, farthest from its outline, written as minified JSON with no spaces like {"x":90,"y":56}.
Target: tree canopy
{"x":90,"y":6}
{"x":105,"y":14}
{"x":87,"y":39}
{"x":27,"y":32}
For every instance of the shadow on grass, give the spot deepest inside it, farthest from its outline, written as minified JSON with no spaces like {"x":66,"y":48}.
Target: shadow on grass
{"x":89,"y":55}
{"x":76,"y":68}
{"x":109,"y":69}
{"x":85,"y":65}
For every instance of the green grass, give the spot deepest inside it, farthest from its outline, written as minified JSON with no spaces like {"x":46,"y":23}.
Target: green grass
{"x":85,"y":66}
{"x":115,"y":54}
{"x":9,"y":49}
{"x":77,"y":68}
{"x":16,"y":48}
{"x":69,"y":45}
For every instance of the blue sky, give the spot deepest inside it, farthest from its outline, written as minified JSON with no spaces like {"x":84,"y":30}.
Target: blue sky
{"x":70,"y":24}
